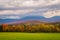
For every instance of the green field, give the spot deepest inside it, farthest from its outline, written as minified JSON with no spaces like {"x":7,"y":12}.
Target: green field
{"x":29,"y":36}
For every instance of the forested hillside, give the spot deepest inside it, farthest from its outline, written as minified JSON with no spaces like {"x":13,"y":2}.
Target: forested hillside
{"x":30,"y":27}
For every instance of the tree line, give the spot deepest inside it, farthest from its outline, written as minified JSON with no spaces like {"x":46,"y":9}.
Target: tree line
{"x":31,"y":27}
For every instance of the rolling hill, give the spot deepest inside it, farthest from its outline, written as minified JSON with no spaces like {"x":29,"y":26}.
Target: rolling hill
{"x":31,"y":18}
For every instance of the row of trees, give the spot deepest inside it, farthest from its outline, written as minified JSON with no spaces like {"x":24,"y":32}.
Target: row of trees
{"x":32,"y":27}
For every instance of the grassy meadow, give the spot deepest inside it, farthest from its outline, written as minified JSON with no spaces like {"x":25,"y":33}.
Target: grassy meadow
{"x":29,"y":36}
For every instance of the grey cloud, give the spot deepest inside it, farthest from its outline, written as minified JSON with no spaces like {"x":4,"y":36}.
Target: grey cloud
{"x":42,"y":10}
{"x":48,"y":8}
{"x":37,"y":10}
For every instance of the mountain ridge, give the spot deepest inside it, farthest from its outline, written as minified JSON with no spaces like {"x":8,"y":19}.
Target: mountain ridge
{"x":28,"y":18}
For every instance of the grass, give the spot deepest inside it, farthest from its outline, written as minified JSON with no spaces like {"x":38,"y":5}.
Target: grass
{"x":29,"y":36}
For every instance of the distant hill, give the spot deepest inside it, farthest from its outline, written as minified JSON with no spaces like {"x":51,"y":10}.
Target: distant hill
{"x":31,"y":18}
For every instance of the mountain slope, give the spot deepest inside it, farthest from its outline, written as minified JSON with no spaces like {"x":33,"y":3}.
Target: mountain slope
{"x":28,"y":18}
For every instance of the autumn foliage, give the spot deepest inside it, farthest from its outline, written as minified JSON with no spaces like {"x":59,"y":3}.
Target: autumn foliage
{"x":31,"y":27}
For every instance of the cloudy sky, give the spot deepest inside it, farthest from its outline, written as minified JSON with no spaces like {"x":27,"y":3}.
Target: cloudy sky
{"x":16,"y":9}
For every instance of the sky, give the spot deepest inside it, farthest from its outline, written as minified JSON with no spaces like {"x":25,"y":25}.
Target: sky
{"x":17,"y":9}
